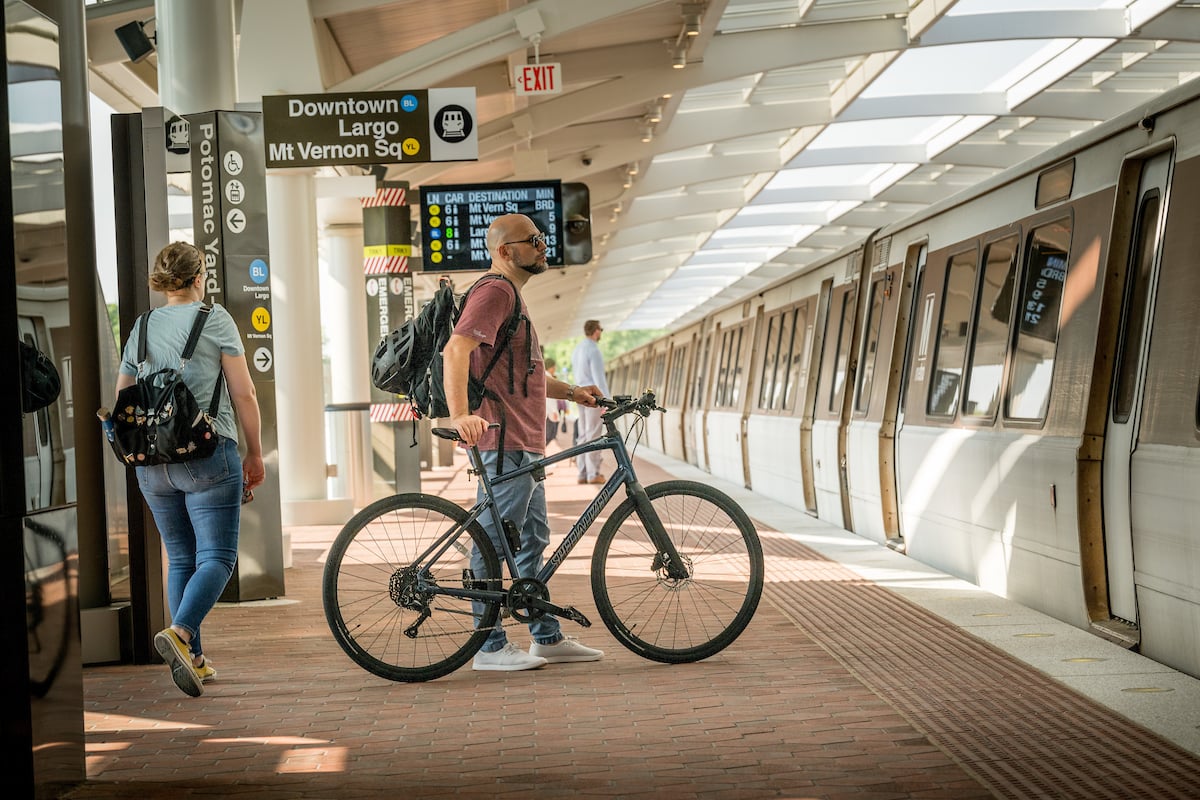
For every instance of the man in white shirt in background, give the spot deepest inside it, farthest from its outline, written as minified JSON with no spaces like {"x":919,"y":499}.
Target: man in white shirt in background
{"x":588,"y":367}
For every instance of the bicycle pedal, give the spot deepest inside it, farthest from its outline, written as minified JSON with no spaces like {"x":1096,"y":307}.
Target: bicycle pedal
{"x":575,"y":615}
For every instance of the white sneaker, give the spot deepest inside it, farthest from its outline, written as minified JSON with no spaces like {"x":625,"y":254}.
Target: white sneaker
{"x":509,"y":658}
{"x":569,"y":649}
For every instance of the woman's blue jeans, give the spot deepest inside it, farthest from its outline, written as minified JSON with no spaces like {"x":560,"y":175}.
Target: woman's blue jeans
{"x":197,"y":506}
{"x":523,"y":501}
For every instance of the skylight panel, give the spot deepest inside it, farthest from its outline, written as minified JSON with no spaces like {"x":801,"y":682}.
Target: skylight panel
{"x":881,"y":132}
{"x":838,"y":175}
{"x":951,"y":68}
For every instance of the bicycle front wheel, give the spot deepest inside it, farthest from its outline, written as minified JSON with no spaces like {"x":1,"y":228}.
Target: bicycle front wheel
{"x":372,"y":592}
{"x":679,"y":620}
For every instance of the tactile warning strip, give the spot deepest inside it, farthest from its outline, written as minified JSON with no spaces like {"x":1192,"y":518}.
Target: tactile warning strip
{"x":1021,"y":733}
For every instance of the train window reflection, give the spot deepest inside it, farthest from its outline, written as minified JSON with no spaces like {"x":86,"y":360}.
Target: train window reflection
{"x":1047,"y":251}
{"x":992,"y":315}
{"x":862,"y":399}
{"x":952,"y":334}
{"x":1133,"y":322}
{"x":701,"y":378}
{"x":770,"y":362}
{"x":797,"y":366}
{"x":845,"y":336}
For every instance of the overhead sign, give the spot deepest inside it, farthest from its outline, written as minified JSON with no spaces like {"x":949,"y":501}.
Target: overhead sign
{"x":455,"y":220}
{"x":538,"y":78}
{"x":421,"y":125}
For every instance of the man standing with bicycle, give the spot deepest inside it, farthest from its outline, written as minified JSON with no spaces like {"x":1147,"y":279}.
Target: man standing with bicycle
{"x":516,"y":391}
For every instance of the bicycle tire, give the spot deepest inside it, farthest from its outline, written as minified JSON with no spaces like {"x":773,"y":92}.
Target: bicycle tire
{"x":679,"y":621}
{"x":365,"y":573}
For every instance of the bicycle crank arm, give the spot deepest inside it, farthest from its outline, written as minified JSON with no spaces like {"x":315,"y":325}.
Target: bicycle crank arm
{"x":569,"y":612}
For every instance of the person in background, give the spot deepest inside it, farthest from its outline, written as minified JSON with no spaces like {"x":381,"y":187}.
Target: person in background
{"x":196,"y":505}
{"x":556,"y":409}
{"x":588,"y":366}
{"x":518,"y":252}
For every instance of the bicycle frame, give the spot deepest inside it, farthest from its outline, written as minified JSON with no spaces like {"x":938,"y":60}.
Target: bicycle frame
{"x":623,"y":474}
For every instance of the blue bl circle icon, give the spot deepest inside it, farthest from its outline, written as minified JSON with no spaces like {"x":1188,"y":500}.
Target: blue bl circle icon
{"x":408,"y":102}
{"x":258,"y":271}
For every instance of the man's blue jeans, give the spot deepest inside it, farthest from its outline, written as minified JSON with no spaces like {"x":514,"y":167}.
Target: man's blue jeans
{"x":523,"y":501}
{"x":197,"y":506}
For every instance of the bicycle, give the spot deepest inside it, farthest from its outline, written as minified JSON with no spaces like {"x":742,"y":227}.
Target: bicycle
{"x":676,"y":571}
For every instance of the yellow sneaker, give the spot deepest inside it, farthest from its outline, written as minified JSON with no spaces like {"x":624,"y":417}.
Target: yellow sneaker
{"x":175,"y":652}
{"x":206,"y":671}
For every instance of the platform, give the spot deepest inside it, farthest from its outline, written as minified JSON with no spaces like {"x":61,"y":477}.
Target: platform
{"x":864,"y":675}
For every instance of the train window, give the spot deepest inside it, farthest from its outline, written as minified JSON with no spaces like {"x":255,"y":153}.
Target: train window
{"x":676,"y":375}
{"x":842,"y":360}
{"x":734,"y":389}
{"x":700,"y":381}
{"x":797,"y":366}
{"x":766,"y":386}
{"x":952,"y":334}
{"x":660,"y":370}
{"x":787,"y":342}
{"x":862,"y":398}
{"x":1133,"y":316}
{"x":993,"y":313}
{"x":1046,"y":254}
{"x":1055,"y":184}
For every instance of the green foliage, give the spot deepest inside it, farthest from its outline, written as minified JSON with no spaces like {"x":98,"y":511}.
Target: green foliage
{"x":114,"y":319}
{"x":612,"y":344}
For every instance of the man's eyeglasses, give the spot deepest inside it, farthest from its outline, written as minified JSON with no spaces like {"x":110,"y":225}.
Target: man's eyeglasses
{"x":538,"y":239}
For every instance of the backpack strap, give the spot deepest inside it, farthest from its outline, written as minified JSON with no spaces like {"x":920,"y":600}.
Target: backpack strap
{"x":188,"y":349}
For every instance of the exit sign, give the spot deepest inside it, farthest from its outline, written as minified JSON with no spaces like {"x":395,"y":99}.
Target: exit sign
{"x":538,"y":78}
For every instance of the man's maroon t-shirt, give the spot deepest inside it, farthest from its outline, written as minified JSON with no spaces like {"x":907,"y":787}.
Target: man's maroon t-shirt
{"x":488,"y":308}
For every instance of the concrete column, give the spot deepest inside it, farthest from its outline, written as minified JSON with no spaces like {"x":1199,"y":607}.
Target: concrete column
{"x":196,"y":66}
{"x":343,"y":313}
{"x":292,"y":225}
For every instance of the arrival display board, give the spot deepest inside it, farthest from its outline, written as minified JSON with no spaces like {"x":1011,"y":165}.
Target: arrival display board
{"x":420,"y":125}
{"x":455,"y":219}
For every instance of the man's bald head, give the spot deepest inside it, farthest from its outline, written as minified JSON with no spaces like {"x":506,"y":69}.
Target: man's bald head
{"x":506,"y":228}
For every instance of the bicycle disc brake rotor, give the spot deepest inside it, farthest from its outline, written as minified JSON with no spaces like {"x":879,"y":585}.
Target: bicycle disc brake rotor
{"x":520,"y":593}
{"x":659,"y":567}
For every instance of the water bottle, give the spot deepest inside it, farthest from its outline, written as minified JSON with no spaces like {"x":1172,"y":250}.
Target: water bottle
{"x":106,"y":423}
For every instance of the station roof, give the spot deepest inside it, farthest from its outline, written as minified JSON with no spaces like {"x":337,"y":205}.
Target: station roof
{"x":725,"y":143}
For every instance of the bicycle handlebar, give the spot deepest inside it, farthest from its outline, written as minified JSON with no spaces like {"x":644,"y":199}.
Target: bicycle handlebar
{"x":621,"y":405}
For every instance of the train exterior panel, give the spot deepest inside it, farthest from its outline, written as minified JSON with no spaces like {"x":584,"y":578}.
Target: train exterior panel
{"x":1005,"y":385}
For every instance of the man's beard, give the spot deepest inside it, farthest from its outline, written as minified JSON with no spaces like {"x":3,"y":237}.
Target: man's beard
{"x":536,"y":268}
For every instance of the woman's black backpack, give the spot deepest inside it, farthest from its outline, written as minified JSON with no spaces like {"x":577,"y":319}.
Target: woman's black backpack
{"x":40,"y":382}
{"x":157,"y":420}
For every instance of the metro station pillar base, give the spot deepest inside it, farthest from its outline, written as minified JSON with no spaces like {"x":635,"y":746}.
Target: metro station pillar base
{"x":317,"y":512}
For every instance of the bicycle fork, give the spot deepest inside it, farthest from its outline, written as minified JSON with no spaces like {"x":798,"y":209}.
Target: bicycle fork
{"x":666,"y":556}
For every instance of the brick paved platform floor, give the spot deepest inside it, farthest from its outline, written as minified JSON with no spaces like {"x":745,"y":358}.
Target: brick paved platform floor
{"x":838,"y":689}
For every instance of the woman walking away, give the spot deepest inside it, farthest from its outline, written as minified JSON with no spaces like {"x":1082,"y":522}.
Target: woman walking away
{"x":196,"y":504}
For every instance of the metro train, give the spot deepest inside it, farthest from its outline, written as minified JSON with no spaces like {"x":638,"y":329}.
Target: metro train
{"x":1003,"y":386}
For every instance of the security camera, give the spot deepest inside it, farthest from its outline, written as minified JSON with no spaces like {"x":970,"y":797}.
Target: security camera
{"x":586,"y":160}
{"x":1147,"y":124}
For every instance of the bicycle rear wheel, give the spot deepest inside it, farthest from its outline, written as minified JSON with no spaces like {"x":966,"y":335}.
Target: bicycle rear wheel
{"x":679,"y":620}
{"x":371,"y":596}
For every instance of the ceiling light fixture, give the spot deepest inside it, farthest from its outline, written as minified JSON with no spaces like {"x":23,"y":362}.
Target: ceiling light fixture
{"x":691,"y":18}
{"x":679,"y":54}
{"x":647,"y":133}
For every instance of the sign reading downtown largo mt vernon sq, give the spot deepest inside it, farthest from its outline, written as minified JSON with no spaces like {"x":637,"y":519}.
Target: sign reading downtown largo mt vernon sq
{"x":309,"y":130}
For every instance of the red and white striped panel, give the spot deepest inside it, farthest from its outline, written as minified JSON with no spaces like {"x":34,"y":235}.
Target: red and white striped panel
{"x":392,"y":412}
{"x":382,"y":265}
{"x":386,"y":197}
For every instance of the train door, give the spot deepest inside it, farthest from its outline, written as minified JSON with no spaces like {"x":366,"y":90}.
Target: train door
{"x":909,"y":318}
{"x":807,"y":460}
{"x":1125,"y":403}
